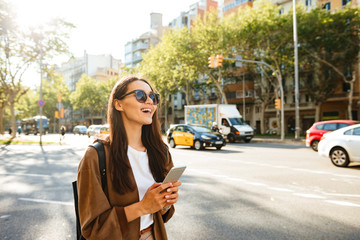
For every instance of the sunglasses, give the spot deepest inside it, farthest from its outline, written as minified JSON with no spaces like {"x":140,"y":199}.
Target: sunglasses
{"x":141,"y":96}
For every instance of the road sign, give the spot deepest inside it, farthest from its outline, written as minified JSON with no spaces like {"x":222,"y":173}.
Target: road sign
{"x":41,"y":103}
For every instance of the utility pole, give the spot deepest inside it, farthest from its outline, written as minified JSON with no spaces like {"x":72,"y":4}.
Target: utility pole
{"x":296,"y":77}
{"x":41,"y":94}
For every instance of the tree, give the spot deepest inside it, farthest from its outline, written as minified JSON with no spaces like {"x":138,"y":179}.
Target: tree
{"x":332,"y":51}
{"x":89,"y":95}
{"x":20,"y":48}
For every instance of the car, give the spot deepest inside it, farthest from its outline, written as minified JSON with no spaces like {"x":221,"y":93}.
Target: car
{"x":195,"y":136}
{"x":80,"y":129}
{"x":104,"y":130}
{"x":317,"y":130}
{"x":93,"y":130}
{"x":341,"y":146}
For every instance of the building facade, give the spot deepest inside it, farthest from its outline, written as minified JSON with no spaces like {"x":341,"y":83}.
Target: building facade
{"x":135,"y":48}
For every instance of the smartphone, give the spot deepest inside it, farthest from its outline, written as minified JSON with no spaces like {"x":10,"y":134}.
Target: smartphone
{"x":174,"y":174}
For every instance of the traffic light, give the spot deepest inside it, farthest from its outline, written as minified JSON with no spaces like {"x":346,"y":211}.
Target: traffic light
{"x":212,"y":62}
{"x":219,"y":60}
{"x":278,"y":103}
{"x":62,"y":113}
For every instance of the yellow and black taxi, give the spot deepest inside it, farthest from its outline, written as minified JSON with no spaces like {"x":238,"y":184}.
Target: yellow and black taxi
{"x":195,"y":136}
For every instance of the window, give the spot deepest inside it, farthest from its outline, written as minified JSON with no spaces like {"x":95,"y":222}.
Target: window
{"x":344,"y":2}
{"x":308,"y":3}
{"x":330,"y":126}
{"x":356,"y":131}
{"x":348,"y":132}
{"x":341,"y":125}
{"x":320,"y":126}
{"x":327,"y":6}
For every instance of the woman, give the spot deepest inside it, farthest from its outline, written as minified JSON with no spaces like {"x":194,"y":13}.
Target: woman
{"x":137,"y":160}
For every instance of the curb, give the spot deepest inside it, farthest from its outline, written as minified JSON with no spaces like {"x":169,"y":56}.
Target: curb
{"x":276,"y":140}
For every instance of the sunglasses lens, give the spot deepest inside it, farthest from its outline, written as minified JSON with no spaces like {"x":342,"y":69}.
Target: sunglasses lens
{"x":141,"y":96}
{"x":154,"y":97}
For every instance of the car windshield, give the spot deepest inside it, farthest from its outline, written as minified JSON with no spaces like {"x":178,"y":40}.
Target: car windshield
{"x":201,"y":129}
{"x":236,"y":121}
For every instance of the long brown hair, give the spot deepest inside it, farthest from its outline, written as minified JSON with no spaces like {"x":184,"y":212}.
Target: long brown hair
{"x":157,"y":150}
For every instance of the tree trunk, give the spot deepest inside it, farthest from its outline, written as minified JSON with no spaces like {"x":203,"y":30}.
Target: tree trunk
{"x":12,"y":110}
{"x":317,"y":112}
{"x":2,"y":120}
{"x":262,"y":118}
{"x":351,"y":97}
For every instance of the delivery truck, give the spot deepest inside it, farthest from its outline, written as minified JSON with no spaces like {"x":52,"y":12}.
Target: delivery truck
{"x":226,"y":116}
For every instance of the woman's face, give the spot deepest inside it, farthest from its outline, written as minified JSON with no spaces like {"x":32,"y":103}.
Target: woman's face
{"x":132,"y":111}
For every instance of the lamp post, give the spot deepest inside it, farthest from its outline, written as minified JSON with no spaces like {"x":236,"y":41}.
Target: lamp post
{"x":296,"y":76}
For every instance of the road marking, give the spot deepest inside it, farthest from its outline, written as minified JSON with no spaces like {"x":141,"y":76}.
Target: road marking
{"x":46,"y":201}
{"x":280,"y":189}
{"x":308,"y":195}
{"x":341,"y":194}
{"x":4,"y":216}
{"x":343,"y":203}
{"x":25,"y":174}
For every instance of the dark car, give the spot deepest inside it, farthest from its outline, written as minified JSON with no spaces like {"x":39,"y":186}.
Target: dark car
{"x":80,"y":129}
{"x":318,"y":129}
{"x":195,"y":136}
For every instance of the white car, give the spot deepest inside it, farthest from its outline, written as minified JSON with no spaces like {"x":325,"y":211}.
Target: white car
{"x":342,"y":145}
{"x":93,"y":130}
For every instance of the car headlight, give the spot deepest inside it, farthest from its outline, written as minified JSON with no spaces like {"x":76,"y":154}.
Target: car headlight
{"x":205,"y":137}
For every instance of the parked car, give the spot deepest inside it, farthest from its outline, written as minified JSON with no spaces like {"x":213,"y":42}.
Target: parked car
{"x":341,"y":146}
{"x":80,"y":129}
{"x":195,"y":136}
{"x":93,"y":130}
{"x":317,"y":130}
{"x":104,"y":130}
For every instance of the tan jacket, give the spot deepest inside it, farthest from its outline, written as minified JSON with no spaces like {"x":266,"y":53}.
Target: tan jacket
{"x":102,"y":214}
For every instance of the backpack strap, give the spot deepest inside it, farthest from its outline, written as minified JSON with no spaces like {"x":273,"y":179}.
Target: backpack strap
{"x":99,"y":146}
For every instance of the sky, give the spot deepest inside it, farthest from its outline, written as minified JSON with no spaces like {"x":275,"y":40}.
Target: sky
{"x":102,"y":27}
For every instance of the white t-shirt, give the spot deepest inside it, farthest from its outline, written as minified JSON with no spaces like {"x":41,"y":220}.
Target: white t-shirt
{"x":139,"y":162}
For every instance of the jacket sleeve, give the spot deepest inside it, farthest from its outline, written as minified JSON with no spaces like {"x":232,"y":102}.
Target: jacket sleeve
{"x":98,"y":219}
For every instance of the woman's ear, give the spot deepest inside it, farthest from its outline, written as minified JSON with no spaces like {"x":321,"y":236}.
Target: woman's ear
{"x":118,"y":105}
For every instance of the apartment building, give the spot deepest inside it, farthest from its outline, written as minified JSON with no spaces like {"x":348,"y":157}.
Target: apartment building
{"x":136,"y":47}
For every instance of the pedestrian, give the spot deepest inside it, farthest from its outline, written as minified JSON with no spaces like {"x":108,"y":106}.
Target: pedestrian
{"x":10,"y":130}
{"x":62,"y":133}
{"x":132,"y":206}
{"x":19,"y":130}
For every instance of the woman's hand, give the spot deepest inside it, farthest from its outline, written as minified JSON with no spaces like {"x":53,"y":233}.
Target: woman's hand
{"x":153,"y":199}
{"x":171,"y":196}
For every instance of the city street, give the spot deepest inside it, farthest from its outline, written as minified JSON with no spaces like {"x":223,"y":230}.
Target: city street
{"x":244,"y":191}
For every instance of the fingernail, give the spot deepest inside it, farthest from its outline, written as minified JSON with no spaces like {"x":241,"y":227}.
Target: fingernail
{"x":169,"y":190}
{"x":167,"y":196}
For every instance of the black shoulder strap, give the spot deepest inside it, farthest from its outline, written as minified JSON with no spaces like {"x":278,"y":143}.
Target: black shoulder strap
{"x":99,"y":146}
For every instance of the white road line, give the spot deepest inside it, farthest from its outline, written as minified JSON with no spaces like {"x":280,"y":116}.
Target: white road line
{"x":342,"y":194}
{"x":280,"y":189}
{"x":4,"y":216}
{"x":308,"y":195}
{"x":25,"y":174}
{"x":46,"y":201}
{"x":343,"y":203}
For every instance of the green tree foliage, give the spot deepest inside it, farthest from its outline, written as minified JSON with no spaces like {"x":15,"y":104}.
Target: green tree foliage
{"x":19,"y":48}
{"x":90,"y":95}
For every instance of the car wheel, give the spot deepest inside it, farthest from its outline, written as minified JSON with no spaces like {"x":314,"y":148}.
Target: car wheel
{"x":218,"y":147}
{"x":197,"y":145}
{"x":339,"y":157}
{"x":247,"y":140}
{"x":172,"y":143}
{"x":231,"y":138}
{"x":314,"y":145}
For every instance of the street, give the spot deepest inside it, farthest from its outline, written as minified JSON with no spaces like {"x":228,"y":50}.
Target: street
{"x":244,"y":191}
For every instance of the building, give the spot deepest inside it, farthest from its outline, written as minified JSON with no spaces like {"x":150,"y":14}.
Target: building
{"x":228,"y":7}
{"x":135,"y":48}
{"x":98,"y":67}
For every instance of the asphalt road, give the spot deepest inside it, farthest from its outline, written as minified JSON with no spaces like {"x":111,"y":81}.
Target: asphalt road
{"x":244,"y":191}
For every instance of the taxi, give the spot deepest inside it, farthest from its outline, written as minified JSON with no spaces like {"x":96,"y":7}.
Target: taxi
{"x":195,"y":136}
{"x":104,"y":129}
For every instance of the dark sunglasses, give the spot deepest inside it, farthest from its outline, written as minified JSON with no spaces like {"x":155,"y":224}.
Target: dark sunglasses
{"x":141,"y":96}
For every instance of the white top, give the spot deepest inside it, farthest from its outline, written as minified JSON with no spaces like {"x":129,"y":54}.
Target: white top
{"x":139,"y":162}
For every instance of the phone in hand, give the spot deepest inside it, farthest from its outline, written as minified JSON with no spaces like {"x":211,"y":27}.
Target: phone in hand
{"x":174,"y":174}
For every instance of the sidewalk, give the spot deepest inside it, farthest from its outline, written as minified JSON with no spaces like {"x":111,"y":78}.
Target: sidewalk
{"x":287,"y":140}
